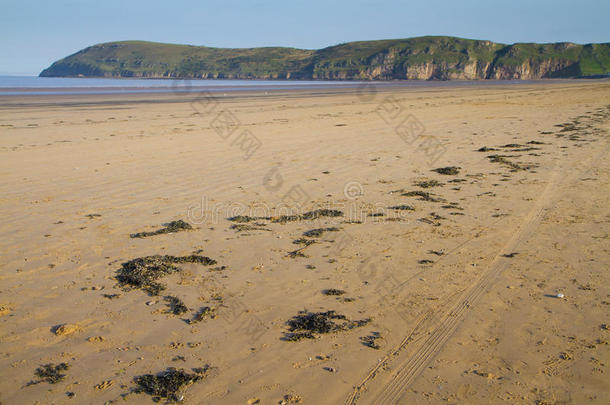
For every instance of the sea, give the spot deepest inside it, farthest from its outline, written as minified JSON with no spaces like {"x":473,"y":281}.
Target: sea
{"x":33,"y":85}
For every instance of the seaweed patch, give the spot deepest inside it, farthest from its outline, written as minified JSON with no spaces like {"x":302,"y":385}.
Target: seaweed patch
{"x":50,"y":373}
{"x":315,"y":233}
{"x":308,"y":216}
{"x":424,"y":196}
{"x":448,"y":170}
{"x":175,"y":304}
{"x":428,"y":184}
{"x":169,"y":383}
{"x":371,"y":340}
{"x":307,"y":325}
{"x":143,"y":272}
{"x":172,"y":227}
{"x":402,"y":208}
{"x":333,"y":291}
{"x":204,"y":313}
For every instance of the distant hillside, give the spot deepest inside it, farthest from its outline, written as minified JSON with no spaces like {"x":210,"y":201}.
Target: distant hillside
{"x":422,"y":58}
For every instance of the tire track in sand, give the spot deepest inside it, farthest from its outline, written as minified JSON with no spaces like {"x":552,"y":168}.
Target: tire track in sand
{"x":442,"y":329}
{"x":438,"y":334}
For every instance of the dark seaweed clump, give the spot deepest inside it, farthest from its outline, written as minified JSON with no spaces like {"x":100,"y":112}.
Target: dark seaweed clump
{"x":50,"y":373}
{"x":204,"y":313}
{"x":297,"y":253}
{"x":428,"y":184}
{"x":424,"y":196}
{"x":371,"y":340}
{"x":449,"y":170}
{"x":485,"y":149}
{"x":402,"y":208}
{"x":176,"y":306}
{"x":246,"y":218}
{"x":315,"y":233}
{"x":167,"y":384}
{"x":306,"y":324}
{"x":282,"y":219}
{"x":502,"y":160}
{"x":303,"y":241}
{"x":308,"y":215}
{"x":257,"y":226}
{"x":333,"y":291}
{"x":174,"y":226}
{"x":143,"y":272}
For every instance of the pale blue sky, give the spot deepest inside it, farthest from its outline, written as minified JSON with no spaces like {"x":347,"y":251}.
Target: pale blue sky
{"x":34,"y":33}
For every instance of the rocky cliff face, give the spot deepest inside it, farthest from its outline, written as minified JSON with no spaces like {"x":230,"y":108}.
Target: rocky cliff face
{"x":423,"y":58}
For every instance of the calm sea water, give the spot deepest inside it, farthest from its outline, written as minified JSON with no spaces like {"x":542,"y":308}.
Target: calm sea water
{"x":21,"y":85}
{"x":32,"y":85}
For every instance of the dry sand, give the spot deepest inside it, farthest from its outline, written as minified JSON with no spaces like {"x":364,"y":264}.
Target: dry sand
{"x":456,"y":316}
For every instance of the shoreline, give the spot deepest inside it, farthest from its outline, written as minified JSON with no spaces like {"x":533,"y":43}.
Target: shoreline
{"x":288,"y":85}
{"x":363,"y":92}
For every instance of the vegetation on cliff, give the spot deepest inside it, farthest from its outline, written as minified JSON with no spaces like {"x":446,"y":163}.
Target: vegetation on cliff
{"x":423,"y":58}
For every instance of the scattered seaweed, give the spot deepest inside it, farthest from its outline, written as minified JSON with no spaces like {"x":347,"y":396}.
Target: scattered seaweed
{"x":303,"y":241}
{"x":257,"y":226}
{"x":204,"y":313}
{"x":424,"y":196}
{"x":246,"y":218}
{"x":167,"y":384}
{"x":509,"y":255}
{"x":91,"y":216}
{"x":307,"y":325}
{"x":453,"y":205}
{"x":436,"y":252}
{"x":142,"y":273}
{"x":291,"y":399}
{"x":174,"y":226}
{"x":297,"y":253}
{"x":402,"y":208}
{"x":50,"y":373}
{"x":111,"y":296}
{"x":502,"y":160}
{"x":376,"y":214}
{"x":432,"y":219}
{"x":282,"y":219}
{"x":486,"y":149}
{"x":333,"y":291}
{"x":425,"y":261}
{"x":316,"y":233}
{"x":307,"y":216}
{"x":371,"y":340}
{"x":175,"y":304}
{"x":428,"y":184}
{"x":448,"y":170}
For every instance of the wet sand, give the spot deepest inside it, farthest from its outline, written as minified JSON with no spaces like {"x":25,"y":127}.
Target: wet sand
{"x":450,"y":281}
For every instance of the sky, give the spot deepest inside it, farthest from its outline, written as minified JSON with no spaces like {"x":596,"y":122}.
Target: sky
{"x":35,"y":33}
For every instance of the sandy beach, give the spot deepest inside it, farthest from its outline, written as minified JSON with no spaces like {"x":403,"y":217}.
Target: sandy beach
{"x":358,"y":246}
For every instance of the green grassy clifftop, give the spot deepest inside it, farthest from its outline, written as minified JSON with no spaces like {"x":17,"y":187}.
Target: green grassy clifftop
{"x":423,"y":58}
